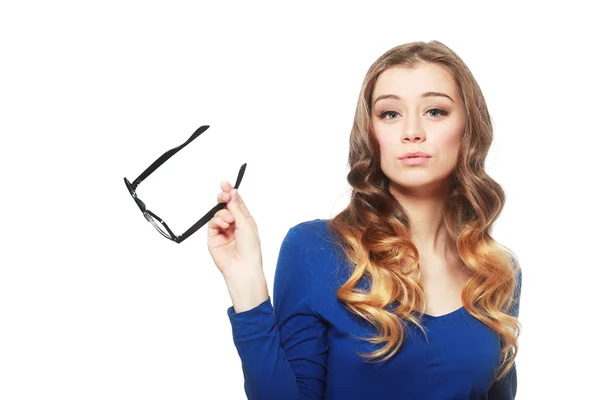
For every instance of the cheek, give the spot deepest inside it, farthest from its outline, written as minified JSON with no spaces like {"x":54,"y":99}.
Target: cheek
{"x":449,"y":148}
{"x":451,"y":145}
{"x":385,"y":144}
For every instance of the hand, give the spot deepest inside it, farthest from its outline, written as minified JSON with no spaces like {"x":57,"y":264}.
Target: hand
{"x":233,"y":240}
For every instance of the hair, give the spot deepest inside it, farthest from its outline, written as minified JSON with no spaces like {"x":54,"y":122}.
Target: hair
{"x":374,"y":230}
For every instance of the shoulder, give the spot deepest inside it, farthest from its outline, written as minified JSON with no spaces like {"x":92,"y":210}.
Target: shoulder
{"x":302,"y":256}
{"x":311,"y":225}
{"x":304,"y":237}
{"x":310,"y":246}
{"x":516,"y":303}
{"x":517,"y":269}
{"x":313,"y":232}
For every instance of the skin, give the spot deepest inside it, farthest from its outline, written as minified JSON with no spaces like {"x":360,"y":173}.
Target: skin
{"x":223,"y":217}
{"x":411,"y":124}
{"x":417,"y":124}
{"x":414,"y":124}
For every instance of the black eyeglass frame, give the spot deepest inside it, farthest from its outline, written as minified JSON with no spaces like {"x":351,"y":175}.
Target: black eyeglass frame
{"x":151,"y":217}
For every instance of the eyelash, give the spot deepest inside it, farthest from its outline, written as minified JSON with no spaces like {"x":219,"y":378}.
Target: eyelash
{"x":441,"y":111}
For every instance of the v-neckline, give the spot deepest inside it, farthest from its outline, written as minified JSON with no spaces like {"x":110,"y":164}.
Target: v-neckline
{"x":451,"y":313}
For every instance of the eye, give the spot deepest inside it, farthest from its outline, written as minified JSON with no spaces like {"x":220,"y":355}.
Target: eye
{"x":438,"y":110}
{"x":383,"y":114}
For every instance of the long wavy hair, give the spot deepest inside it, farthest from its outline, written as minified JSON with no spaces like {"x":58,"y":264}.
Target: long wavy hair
{"x":373,"y":231}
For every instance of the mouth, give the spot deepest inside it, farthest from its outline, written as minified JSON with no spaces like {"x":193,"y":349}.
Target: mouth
{"x":415,"y":154}
{"x":414,"y":160}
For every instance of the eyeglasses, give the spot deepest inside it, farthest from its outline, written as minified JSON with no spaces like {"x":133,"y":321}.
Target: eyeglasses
{"x":158,"y":223}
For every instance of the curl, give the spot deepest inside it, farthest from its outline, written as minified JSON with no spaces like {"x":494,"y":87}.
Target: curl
{"x":373,"y":231}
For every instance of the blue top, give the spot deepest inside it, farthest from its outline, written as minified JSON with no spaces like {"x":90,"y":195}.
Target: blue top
{"x":303,"y":348}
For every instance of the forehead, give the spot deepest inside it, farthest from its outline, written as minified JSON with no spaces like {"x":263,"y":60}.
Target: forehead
{"x":409,"y":83}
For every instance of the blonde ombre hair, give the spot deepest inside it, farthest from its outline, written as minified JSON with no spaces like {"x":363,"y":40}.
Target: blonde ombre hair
{"x":374,"y":231}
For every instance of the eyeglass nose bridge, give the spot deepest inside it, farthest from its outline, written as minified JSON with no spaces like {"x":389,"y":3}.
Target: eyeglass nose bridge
{"x":140,"y":204}
{"x":153,"y":218}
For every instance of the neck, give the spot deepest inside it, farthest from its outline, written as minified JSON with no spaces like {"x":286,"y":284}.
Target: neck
{"x":424,"y":207}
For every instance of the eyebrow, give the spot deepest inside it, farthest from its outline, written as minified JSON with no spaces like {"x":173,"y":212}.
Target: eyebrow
{"x":424,"y":95}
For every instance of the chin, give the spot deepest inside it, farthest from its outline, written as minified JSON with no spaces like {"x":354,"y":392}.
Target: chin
{"x":416,"y":183}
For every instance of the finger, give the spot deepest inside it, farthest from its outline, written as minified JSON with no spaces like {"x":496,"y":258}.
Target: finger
{"x":225,"y":215}
{"x":240,"y":204}
{"x":213,"y":223}
{"x":213,"y":228}
{"x":223,"y":197}
{"x":226,"y":186}
{"x":222,"y":223}
{"x":219,"y":222}
{"x":242,"y":216}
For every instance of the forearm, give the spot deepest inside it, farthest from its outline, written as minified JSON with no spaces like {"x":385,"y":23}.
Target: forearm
{"x":247,"y":291}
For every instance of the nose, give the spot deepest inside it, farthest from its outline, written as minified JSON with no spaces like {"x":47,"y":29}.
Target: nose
{"x":413,"y":131}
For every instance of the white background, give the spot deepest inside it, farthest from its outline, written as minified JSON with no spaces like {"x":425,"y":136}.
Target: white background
{"x":95,"y":304}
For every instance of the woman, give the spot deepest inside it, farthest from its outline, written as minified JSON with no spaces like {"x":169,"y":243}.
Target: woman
{"x":404,"y":294}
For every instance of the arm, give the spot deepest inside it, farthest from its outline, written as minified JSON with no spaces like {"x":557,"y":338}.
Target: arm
{"x":284,"y":349}
{"x":506,"y":388}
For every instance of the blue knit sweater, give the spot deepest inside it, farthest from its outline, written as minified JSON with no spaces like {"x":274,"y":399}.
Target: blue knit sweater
{"x":302,"y":346}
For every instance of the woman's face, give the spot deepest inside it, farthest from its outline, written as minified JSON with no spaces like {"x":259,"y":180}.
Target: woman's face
{"x":407,"y":122}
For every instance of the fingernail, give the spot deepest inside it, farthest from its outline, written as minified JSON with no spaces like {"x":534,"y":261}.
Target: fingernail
{"x":234,"y":195}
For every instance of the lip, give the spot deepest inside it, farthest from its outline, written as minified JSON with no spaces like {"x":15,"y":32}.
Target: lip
{"x":415,"y":154}
{"x":414,"y":160}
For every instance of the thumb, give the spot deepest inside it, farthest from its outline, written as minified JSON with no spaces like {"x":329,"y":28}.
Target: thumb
{"x":238,"y":208}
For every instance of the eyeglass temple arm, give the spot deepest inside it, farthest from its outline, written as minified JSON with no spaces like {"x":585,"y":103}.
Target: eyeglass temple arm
{"x":212,"y":212}
{"x":161,"y":160}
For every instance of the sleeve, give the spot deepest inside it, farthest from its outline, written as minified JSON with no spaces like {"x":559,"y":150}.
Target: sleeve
{"x":284,"y":349}
{"x":506,"y":388}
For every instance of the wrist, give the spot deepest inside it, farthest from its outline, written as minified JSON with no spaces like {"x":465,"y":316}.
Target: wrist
{"x":247,"y":292}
